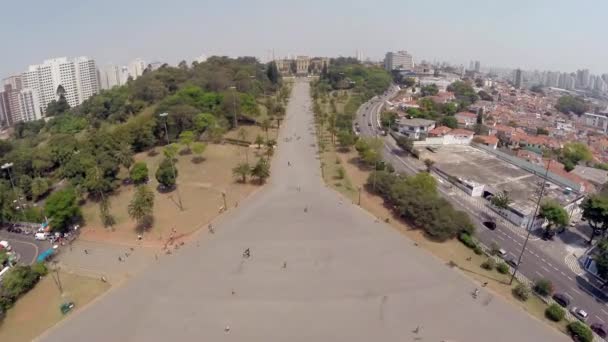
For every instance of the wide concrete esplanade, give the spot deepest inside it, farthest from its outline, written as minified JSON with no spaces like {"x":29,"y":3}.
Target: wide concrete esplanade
{"x":329,"y":274}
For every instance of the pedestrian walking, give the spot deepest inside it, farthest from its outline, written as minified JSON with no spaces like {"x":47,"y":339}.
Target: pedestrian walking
{"x":284,"y":264}
{"x":119,"y":259}
{"x":210,"y":227}
{"x":485,"y":284}
{"x":227,"y":329}
{"x":86,"y":251}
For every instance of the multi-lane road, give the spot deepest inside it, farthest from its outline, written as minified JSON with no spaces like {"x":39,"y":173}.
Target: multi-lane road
{"x":542,"y":259}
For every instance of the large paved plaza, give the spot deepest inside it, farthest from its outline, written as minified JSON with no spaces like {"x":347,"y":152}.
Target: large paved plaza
{"x":331,"y":273}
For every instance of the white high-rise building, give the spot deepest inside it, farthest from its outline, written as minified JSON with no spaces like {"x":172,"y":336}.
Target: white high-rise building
{"x":29,"y":106}
{"x":112,"y":75}
{"x":400,"y":60}
{"x":136,"y":68}
{"x":78,"y":77}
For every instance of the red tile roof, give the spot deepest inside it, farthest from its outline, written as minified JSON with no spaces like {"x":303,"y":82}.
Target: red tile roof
{"x":439,"y":131}
{"x":460,"y":131}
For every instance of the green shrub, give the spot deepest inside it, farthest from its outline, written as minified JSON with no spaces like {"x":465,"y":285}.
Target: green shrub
{"x":543,"y":287}
{"x":555,"y":312}
{"x":502,"y":268}
{"x":489,"y":264}
{"x":40,"y":269}
{"x":521,"y":292}
{"x":581,"y":331}
{"x":340,"y":173}
{"x":478,"y":250}
{"x":467,"y":240}
{"x":494,"y":248}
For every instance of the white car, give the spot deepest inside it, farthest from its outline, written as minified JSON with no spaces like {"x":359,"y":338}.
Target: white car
{"x":579,"y":313}
{"x":41,"y":236}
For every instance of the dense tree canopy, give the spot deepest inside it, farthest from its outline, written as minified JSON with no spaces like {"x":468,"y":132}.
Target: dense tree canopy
{"x":567,"y":104}
{"x":62,"y":209}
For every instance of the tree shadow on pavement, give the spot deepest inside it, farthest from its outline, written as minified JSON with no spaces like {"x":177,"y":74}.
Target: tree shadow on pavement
{"x":453,"y":264}
{"x":593,"y":288}
{"x":572,"y":239}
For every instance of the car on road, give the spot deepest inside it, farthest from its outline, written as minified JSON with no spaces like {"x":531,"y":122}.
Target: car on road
{"x":511,"y":261}
{"x":599,"y":329}
{"x":491,"y":225}
{"x":561,"y":299}
{"x":579,"y":313}
{"x":369,"y":124}
{"x":502,"y":252}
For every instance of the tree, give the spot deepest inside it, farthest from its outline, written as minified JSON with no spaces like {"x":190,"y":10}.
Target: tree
{"x":242,"y":170}
{"x":580,"y":331}
{"x":186,"y":138}
{"x":485,"y":96}
{"x":501,"y":200}
{"x":429,"y":90}
{"x":346,"y":139}
{"x":537,"y":88}
{"x":576,"y":152}
{"x":543,"y":287}
{"x":595,"y":211}
{"x":449,"y":121}
{"x":409,"y":82}
{"x":62,"y":209}
{"x":555,"y":215}
{"x":259,"y":141}
{"x":266,"y":124}
{"x":198,"y":148}
{"x":139,"y":172}
{"x":204,"y":121}
{"x":59,"y":106}
{"x":567,"y":104}
{"x":261,"y":170}
{"x":429,"y":164}
{"x":272,"y":72}
{"x":165,"y":173}
{"x":104,"y":213}
{"x":141,"y":206}
{"x":170,"y":151}
{"x":541,"y":131}
{"x":40,"y":186}
{"x":406,"y":144}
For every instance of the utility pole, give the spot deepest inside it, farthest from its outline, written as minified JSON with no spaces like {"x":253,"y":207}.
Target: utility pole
{"x":179,"y":198}
{"x":7,"y":167}
{"x":531,"y":223}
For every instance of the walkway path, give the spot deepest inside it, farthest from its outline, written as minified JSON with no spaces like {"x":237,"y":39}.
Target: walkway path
{"x":328,"y":273}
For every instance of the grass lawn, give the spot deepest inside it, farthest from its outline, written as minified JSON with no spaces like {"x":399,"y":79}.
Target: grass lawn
{"x":38,"y":310}
{"x":200,"y":186}
{"x":452,"y":253}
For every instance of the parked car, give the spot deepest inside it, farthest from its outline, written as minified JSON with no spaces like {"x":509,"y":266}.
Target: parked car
{"x":511,"y":261}
{"x":561,"y":299}
{"x":491,"y":225}
{"x":502,"y":252}
{"x":41,"y":236}
{"x":599,"y":329}
{"x":579,"y":313}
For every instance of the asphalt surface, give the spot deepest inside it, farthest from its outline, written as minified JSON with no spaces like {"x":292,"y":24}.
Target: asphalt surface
{"x":320,"y":269}
{"x":25,"y":245}
{"x":540,"y":260}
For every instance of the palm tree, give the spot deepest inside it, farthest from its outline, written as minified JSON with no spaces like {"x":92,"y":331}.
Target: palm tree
{"x":261,"y":170}
{"x":265,"y":126}
{"x":141,"y":206}
{"x":242,"y":170}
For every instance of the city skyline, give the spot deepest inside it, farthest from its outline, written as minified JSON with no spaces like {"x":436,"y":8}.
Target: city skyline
{"x":169,"y":33}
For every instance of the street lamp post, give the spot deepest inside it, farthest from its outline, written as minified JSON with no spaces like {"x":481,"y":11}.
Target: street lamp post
{"x":7,"y":167}
{"x":234,"y":103}
{"x":531,"y":223}
{"x":179,"y":198}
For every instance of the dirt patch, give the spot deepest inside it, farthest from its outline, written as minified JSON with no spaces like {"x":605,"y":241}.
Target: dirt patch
{"x":200,"y":186}
{"x":38,"y":310}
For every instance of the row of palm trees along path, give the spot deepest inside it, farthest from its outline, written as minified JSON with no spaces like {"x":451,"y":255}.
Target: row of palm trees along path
{"x":320,"y":269}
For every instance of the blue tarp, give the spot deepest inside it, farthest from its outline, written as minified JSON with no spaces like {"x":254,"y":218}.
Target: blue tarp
{"x":45,"y":255}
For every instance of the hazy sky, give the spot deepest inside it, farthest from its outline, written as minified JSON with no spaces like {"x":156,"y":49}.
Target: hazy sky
{"x":532,"y":34}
